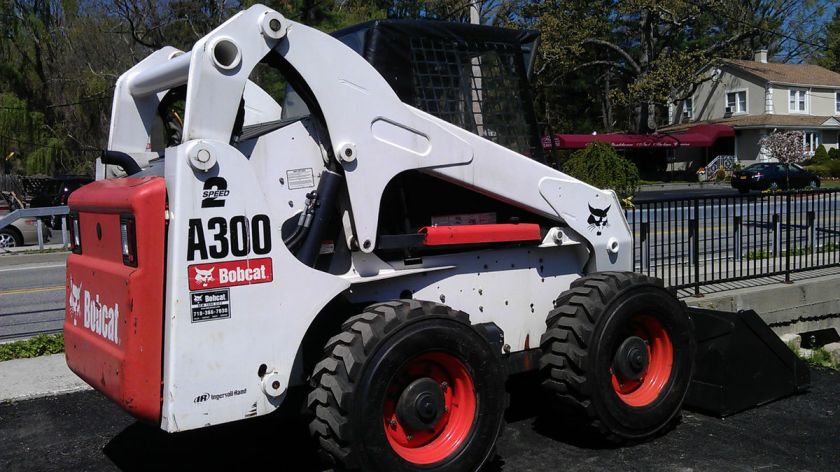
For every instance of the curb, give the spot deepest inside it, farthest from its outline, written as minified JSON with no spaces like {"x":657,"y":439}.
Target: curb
{"x":36,"y":377}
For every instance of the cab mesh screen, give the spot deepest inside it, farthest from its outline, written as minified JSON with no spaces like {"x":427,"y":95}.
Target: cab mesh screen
{"x":473,"y":85}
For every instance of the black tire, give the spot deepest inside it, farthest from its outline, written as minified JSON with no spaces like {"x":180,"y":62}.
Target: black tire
{"x":357,"y":380}
{"x":9,"y":237}
{"x":585,"y":330}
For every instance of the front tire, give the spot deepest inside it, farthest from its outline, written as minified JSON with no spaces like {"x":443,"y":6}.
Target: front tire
{"x":10,"y":238}
{"x":619,"y":352}
{"x":408,"y":386}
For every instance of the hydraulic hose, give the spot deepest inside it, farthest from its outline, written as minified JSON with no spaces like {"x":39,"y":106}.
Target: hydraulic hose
{"x":121,"y":159}
{"x":327,"y":195}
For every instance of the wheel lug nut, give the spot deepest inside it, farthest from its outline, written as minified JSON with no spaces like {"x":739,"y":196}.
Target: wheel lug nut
{"x":409,"y":437}
{"x":444,"y":385}
{"x":393,"y":423}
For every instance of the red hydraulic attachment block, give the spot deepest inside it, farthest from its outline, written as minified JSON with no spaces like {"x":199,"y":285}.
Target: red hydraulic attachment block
{"x":478,"y":234}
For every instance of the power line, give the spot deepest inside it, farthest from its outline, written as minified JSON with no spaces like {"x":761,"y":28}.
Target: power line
{"x":44,"y":146}
{"x":59,"y":105}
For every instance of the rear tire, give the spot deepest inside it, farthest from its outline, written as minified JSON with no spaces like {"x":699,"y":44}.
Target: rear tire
{"x":408,"y":386}
{"x":619,"y":353}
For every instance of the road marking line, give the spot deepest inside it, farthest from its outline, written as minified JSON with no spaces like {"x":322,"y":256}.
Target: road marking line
{"x":32,"y":268}
{"x":20,"y":291}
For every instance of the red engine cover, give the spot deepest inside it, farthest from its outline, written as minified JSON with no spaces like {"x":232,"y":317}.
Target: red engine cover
{"x":113,"y":324}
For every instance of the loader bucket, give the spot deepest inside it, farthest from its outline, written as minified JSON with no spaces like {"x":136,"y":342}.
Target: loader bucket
{"x":740,"y":364}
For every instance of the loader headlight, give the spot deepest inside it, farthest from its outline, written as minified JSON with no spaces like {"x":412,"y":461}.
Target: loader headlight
{"x":128,"y":237}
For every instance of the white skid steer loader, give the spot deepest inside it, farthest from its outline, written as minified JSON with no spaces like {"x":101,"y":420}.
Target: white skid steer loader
{"x":383,"y":236}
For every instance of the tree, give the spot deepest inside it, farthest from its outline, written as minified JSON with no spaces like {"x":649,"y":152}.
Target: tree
{"x":786,"y":147}
{"x":638,"y":53}
{"x":599,"y":165}
{"x":830,"y":57}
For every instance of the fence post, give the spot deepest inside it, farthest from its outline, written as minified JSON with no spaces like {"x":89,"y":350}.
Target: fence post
{"x":644,"y":229}
{"x":39,"y":228}
{"x":736,"y":225}
{"x":695,"y":248}
{"x":777,"y":234}
{"x":787,"y":239}
{"x":811,"y":217}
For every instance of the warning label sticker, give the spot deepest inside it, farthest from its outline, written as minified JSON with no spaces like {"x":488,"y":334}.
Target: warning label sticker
{"x":210,"y":305}
{"x":300,"y":178}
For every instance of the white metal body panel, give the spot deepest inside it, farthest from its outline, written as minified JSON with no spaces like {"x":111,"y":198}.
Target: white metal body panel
{"x":267,"y":320}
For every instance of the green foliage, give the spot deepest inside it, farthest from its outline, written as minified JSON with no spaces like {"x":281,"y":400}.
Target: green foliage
{"x":720,"y":175}
{"x":828,"y":168}
{"x":830,"y":57}
{"x":834,"y":154}
{"x":40,"y":345}
{"x":820,"y":155}
{"x":822,"y":358}
{"x":599,"y":165}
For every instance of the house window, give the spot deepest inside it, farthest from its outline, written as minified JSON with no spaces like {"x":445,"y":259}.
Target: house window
{"x":736,"y":102}
{"x":797,"y":103}
{"x":837,"y":103}
{"x":688,"y":108}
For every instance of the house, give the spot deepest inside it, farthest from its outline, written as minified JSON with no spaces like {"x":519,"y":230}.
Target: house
{"x":757,"y":98}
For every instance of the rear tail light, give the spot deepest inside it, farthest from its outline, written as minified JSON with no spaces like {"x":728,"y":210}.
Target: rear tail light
{"x":75,"y":235}
{"x":128,"y":236}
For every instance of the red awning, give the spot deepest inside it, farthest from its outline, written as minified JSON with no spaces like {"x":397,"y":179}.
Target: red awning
{"x":696,"y":136}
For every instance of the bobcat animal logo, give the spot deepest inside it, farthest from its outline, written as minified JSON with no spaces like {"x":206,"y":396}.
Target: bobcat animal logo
{"x":598,"y":219}
{"x":75,"y":300}
{"x":204,"y":277}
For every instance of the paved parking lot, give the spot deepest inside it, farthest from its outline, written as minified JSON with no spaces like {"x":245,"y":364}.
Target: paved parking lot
{"x":83,"y":431}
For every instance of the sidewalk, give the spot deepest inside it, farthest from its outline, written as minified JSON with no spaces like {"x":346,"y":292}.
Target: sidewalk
{"x":30,"y":249}
{"x":23,"y":379}
{"x":683,"y":186}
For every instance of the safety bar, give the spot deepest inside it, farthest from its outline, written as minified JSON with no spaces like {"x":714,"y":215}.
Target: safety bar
{"x":163,"y":77}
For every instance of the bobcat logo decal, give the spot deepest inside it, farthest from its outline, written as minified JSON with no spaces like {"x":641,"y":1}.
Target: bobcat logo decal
{"x":75,"y":300}
{"x":598,"y":219}
{"x":204,"y":277}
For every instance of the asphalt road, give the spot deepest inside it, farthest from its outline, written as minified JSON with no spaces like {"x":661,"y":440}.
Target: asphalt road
{"x":84,"y":431}
{"x":31,"y":294}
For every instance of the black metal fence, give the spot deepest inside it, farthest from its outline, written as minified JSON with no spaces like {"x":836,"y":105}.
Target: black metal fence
{"x":691,"y":242}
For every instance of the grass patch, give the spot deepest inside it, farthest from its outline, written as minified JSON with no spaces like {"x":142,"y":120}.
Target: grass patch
{"x":758,"y":254}
{"x":817,"y":357}
{"x":830,"y":184}
{"x":41,"y":345}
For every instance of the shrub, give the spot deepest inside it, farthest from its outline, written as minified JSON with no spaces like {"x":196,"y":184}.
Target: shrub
{"x":828,"y":168}
{"x":834,"y":154}
{"x":40,"y":345}
{"x":820,"y":155}
{"x":720,"y":175}
{"x":599,"y":165}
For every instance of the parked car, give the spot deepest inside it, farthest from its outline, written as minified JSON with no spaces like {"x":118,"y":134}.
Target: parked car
{"x":23,"y":231}
{"x":774,"y":176}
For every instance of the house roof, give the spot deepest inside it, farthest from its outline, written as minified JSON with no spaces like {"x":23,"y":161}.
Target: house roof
{"x":765,"y":121}
{"x":802,"y":74}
